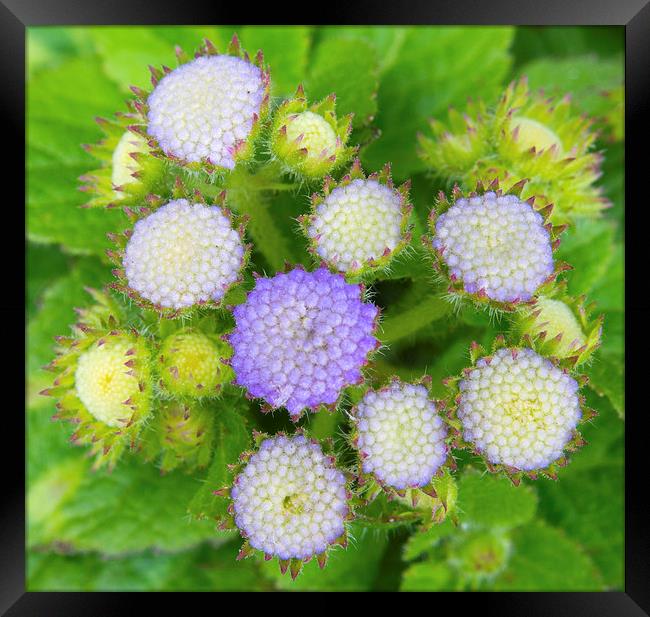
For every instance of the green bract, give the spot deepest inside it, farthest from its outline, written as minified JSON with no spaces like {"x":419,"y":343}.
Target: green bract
{"x":309,"y":140}
{"x":181,"y":434}
{"x":561,"y":326}
{"x":128,"y":172}
{"x":192,"y":364}
{"x":103,"y":381}
{"x":526,"y":135}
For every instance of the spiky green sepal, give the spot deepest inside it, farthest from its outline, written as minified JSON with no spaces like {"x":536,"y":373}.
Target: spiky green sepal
{"x":480,"y":357}
{"x":309,"y":140}
{"x":153,"y":203}
{"x":426,"y":506}
{"x":292,"y":504}
{"x":181,"y":434}
{"x":560,"y":326}
{"x":456,"y":290}
{"x":525,"y":136}
{"x":127,"y":172}
{"x":242,"y":150}
{"x":359,"y":269}
{"x":116,"y":360}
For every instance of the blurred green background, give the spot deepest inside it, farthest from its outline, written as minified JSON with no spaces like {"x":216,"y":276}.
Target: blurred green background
{"x":130,"y":530}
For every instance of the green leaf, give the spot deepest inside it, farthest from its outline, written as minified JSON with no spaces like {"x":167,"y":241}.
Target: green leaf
{"x":190,"y":38}
{"x":49,"y":46}
{"x":387,"y":40}
{"x":493,"y":501}
{"x":546,"y":559}
{"x":427,"y":576}
{"x":61,"y":105}
{"x":609,"y":290}
{"x":606,"y":378}
{"x":44,"y":264}
{"x":532,"y":42}
{"x":613,"y":183}
{"x":435,"y":67}
{"x":614,"y":333}
{"x":285,"y":50}
{"x":589,"y":248}
{"x":53,"y":488}
{"x":57,"y":303}
{"x":351,"y":569}
{"x":201,"y":569}
{"x":590,"y":82}
{"x":127,"y":52}
{"x":232,"y":438}
{"x":422,"y":541}
{"x":588,"y":505}
{"x":349,"y":68}
{"x":47,"y":442}
{"x":130,"y":510}
{"x":439,"y":359}
{"x":604,"y":437}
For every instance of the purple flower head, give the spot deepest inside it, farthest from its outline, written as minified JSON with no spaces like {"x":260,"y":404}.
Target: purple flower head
{"x":497,"y":243}
{"x":301,"y":337}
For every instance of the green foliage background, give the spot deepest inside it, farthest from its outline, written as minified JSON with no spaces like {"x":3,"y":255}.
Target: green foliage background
{"x":131,"y":529}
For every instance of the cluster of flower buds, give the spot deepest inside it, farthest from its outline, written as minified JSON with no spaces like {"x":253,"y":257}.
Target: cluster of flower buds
{"x":302,"y":339}
{"x":126,"y":388}
{"x":527,"y":135}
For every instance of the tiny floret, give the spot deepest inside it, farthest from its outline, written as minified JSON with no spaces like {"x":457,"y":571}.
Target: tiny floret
{"x":104,"y":383}
{"x":496,"y":244}
{"x":318,"y":137}
{"x":518,"y":409}
{"x":203,"y":108}
{"x":301,"y":337}
{"x":289,"y":500}
{"x":401,"y":435}
{"x":357,"y":222}
{"x":183,"y":254}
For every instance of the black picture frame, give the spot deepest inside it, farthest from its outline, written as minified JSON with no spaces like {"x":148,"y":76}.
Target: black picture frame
{"x":633,"y":15}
